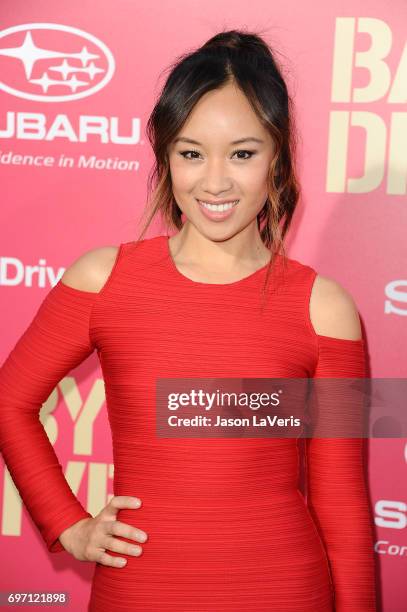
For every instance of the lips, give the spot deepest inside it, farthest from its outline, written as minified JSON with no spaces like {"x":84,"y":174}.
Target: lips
{"x":217,"y":215}
{"x":215,"y":202}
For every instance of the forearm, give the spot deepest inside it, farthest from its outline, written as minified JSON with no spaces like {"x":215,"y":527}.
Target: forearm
{"x":339,"y":504}
{"x":37,"y":474}
{"x":56,"y":341}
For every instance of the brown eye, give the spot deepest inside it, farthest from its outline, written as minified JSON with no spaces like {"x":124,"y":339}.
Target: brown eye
{"x":185,"y":153}
{"x":195,"y":154}
{"x":250,"y":153}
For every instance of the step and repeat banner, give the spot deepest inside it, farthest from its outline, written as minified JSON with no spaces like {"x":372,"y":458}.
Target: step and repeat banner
{"x":78,"y":81}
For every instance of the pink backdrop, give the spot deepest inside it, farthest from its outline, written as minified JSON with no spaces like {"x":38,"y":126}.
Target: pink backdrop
{"x":83,"y":185}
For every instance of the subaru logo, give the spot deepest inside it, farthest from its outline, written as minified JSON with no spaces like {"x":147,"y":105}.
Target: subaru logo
{"x":50,"y":62}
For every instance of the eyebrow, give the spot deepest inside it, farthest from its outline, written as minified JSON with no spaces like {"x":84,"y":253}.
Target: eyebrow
{"x":234,"y":142}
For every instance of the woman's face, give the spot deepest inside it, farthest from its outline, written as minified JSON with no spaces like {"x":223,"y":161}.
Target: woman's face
{"x":208,"y":165}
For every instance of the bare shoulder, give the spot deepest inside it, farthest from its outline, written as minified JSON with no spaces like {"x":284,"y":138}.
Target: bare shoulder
{"x":333,"y":311}
{"x":90,"y":271}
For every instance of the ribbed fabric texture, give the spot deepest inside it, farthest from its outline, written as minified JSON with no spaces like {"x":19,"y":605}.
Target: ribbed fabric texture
{"x":55,"y":342}
{"x":229,"y":529}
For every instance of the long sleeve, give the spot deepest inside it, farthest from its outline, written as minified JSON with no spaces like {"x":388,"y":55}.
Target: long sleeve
{"x":56,"y":341}
{"x":337,"y":491}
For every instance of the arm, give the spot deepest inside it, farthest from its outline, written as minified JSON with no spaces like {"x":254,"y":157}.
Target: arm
{"x":56,"y":341}
{"x":337,"y":493}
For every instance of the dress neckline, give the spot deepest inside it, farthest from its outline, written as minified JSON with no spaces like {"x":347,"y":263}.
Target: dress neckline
{"x":185,"y":279}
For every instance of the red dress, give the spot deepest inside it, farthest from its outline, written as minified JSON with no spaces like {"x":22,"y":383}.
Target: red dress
{"x":228,"y":528}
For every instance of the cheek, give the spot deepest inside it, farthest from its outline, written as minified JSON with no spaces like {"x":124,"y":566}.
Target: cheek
{"x":183,"y":178}
{"x":253,"y":178}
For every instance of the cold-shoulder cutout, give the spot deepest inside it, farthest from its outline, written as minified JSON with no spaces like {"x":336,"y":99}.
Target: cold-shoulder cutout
{"x":332,"y":312}
{"x":90,"y":272}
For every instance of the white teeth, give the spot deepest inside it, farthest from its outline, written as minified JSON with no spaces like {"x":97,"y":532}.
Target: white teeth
{"x":219,"y":207}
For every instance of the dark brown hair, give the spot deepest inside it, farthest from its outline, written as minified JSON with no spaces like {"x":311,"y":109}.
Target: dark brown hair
{"x":245,"y":59}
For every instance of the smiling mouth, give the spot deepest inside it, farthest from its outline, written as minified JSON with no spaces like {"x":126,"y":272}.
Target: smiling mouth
{"x":225,"y":206}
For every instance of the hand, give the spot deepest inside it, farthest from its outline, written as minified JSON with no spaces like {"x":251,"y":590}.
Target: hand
{"x":89,"y":538}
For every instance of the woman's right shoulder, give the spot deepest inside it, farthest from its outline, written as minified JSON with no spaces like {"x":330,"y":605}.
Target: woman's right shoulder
{"x":90,"y":271}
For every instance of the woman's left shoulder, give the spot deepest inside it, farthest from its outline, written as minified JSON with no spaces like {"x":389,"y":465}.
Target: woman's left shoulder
{"x":333,"y":310}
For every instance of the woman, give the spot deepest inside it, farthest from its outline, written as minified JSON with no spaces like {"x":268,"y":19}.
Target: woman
{"x":222,"y":521}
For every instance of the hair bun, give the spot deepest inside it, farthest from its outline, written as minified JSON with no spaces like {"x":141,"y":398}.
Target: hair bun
{"x":239,"y":41}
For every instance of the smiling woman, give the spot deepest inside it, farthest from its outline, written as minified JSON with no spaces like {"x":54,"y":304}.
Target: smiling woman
{"x":222,"y":133}
{"x":226,"y":182}
{"x":228,"y":527}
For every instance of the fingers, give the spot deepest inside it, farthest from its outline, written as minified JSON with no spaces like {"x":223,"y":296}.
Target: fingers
{"x":124,"y":548}
{"x":117,"y":528}
{"x":107,"y":529}
{"x":112,"y":543}
{"x":124,"y":501}
{"x":119,"y":502}
{"x":104,"y":558}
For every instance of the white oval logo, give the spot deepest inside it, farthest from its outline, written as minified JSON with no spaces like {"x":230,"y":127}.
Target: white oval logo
{"x":50,"y":62}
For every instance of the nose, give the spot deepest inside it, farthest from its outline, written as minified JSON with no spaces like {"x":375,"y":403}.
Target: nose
{"x":215,"y":180}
